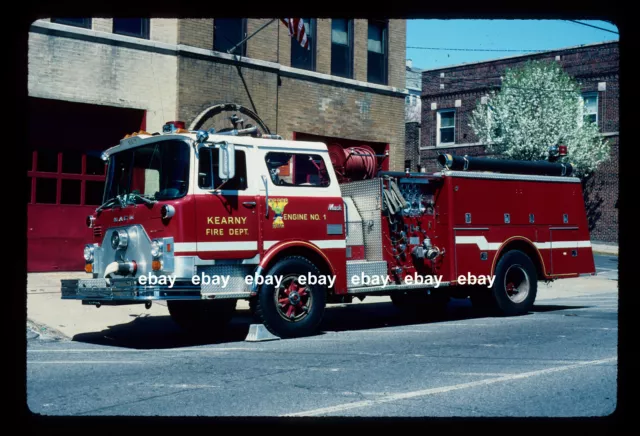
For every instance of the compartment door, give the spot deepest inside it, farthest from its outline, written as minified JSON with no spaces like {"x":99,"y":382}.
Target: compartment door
{"x":570,"y":253}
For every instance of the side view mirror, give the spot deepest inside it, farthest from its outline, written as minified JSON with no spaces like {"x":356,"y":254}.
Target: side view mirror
{"x":227,"y":161}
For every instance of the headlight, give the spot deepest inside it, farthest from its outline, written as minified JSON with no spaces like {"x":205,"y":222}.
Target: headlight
{"x":88,"y":253}
{"x":167,"y":211}
{"x":119,"y":239}
{"x":156,"y":248}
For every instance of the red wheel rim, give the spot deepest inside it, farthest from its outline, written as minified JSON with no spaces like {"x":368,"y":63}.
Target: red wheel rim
{"x":293,"y":301}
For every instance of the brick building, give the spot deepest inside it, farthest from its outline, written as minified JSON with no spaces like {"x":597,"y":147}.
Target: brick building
{"x":413,"y":115}
{"x":450,"y":94}
{"x":94,"y":80}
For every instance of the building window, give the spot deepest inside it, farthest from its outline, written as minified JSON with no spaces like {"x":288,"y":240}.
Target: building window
{"x":47,"y":161}
{"x":342,"y":48}
{"x":59,"y":178}
{"x":136,"y":27}
{"x":377,"y":52}
{"x":77,"y":22}
{"x":70,"y":191}
{"x":227,"y":32}
{"x":446,"y":126}
{"x":94,"y":190}
{"x":590,"y":102}
{"x":46,"y":191}
{"x":300,"y":56}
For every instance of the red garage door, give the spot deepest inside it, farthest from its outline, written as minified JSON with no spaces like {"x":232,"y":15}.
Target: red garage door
{"x":65,"y":178}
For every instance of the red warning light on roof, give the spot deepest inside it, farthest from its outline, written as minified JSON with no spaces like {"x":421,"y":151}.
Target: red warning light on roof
{"x":172,"y":126}
{"x":562,"y":150}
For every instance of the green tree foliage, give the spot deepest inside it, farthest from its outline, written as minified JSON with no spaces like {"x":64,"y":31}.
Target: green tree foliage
{"x":539,"y":105}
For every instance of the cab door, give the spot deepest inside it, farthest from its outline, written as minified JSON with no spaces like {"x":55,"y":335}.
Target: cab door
{"x":298,"y":202}
{"x":226,"y":212}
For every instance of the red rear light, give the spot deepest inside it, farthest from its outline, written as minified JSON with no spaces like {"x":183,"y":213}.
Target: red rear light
{"x":562,"y":150}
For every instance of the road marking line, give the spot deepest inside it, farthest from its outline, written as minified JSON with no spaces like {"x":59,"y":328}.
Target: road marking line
{"x":606,"y":296}
{"x":469,"y":325}
{"x":80,"y":350}
{"x":596,"y":308}
{"x":488,"y":374}
{"x":183,"y":386}
{"x":441,"y":390}
{"x":392,"y":331}
{"x":86,"y":361}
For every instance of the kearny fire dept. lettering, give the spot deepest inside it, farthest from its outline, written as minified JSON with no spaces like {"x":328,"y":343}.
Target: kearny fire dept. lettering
{"x":488,"y":229}
{"x":226,"y":220}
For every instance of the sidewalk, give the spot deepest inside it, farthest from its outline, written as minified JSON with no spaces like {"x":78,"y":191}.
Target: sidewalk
{"x":605,"y":248}
{"x":49,"y":315}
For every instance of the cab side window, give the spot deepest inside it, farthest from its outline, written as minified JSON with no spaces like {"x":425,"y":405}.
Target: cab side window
{"x":297,"y":169}
{"x":208,"y":171}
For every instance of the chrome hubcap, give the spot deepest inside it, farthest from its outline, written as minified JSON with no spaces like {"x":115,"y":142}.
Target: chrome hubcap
{"x":517,"y":283}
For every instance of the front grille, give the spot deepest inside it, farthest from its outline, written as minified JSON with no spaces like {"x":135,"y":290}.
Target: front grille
{"x":97,"y":232}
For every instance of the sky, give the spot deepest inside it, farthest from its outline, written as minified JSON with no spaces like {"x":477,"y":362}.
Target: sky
{"x":495,"y":34}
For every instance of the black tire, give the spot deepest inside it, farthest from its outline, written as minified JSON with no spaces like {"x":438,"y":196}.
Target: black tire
{"x":514,"y":289}
{"x":299,"y":322}
{"x":202,"y":317}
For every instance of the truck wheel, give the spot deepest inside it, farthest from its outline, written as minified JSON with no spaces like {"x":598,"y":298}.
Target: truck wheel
{"x":515,"y":286}
{"x":206,"y":316}
{"x":291,"y":309}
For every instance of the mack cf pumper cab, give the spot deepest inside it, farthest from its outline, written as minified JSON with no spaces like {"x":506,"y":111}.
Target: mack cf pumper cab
{"x":201,"y":220}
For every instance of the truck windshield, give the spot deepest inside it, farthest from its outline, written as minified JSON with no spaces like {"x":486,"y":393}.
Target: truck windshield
{"x":159,"y":171}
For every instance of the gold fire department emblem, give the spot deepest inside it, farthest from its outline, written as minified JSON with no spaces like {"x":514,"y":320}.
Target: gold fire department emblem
{"x":277,"y":206}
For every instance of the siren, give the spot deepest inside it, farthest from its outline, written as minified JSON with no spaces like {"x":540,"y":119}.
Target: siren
{"x":173,"y":126}
{"x":562,"y":150}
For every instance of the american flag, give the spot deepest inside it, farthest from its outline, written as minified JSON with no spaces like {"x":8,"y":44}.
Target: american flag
{"x":296,"y":28}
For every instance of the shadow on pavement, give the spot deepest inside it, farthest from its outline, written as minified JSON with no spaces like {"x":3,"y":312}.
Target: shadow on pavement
{"x":159,"y":332}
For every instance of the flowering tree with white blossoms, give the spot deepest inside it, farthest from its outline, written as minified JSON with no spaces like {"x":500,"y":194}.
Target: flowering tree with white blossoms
{"x":539,"y":105}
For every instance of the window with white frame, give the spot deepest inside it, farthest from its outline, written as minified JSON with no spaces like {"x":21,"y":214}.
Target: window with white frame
{"x":590,"y":102}
{"x":342,"y":47}
{"x":446,"y":126}
{"x":377,"y":52}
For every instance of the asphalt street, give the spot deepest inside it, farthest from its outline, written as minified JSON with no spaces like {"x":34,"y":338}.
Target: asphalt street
{"x":370,"y":360}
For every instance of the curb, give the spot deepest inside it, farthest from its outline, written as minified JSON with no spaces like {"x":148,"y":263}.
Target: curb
{"x":46,"y":332}
{"x":605,"y":253}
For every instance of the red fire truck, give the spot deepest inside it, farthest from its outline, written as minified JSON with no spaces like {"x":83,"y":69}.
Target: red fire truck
{"x":202,"y":219}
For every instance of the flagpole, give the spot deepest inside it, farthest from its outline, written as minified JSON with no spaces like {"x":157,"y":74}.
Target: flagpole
{"x":232,"y":49}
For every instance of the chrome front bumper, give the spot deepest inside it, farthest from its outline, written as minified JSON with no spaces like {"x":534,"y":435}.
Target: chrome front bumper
{"x":126,"y":289}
